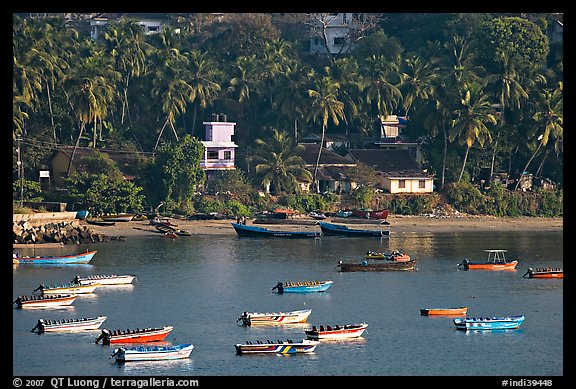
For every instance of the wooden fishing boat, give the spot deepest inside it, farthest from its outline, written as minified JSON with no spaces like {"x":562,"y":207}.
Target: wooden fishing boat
{"x":134,"y":336}
{"x":57,"y":259}
{"x":152,"y":353}
{"x":104,"y":280}
{"x":256,"y":231}
{"x":181,"y":232}
{"x":378,"y":265}
{"x":267,"y":318}
{"x":544,"y":272}
{"x":170,"y":235}
{"x":367,"y":213}
{"x":336,"y":332}
{"x":70,"y":288}
{"x":317,"y":215}
{"x":119,"y":217}
{"x":496,"y":261}
{"x":66,"y":325}
{"x":303,"y":287}
{"x":44,"y":301}
{"x":100,"y":222}
{"x":489,"y":323}
{"x":392,"y":256}
{"x":343,"y":213}
{"x":459,"y":311}
{"x":331,"y":229}
{"x":277,"y":347}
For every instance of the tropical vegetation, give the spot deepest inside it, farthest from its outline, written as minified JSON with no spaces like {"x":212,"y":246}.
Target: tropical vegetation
{"x":480,"y":90}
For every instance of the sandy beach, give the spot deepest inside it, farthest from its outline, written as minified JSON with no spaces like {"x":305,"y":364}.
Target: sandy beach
{"x":398,"y":224}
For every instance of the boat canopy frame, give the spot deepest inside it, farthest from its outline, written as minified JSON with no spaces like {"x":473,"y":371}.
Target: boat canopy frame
{"x":496,"y":256}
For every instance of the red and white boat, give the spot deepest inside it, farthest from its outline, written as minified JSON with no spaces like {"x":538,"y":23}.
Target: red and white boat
{"x":496,"y":261}
{"x":545,"y":272}
{"x":65,"y":325}
{"x":337,"y":332}
{"x":44,"y":301}
{"x":134,"y":336}
{"x":266,"y":318}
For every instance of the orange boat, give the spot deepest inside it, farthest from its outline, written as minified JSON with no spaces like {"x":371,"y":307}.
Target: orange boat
{"x":134,"y":336}
{"x":547,"y":272}
{"x":460,"y":311}
{"x":496,"y":261}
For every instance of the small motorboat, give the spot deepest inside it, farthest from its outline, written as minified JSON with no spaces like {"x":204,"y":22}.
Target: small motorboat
{"x":152,"y":353}
{"x":459,"y":311}
{"x":70,"y":288}
{"x":496,"y":261}
{"x":56,"y":259}
{"x":104,"y":280}
{"x":119,"y":217}
{"x":277,"y":347}
{"x":66,"y":325}
{"x":170,"y":235}
{"x":317,"y":215}
{"x":336,"y":332}
{"x":489,"y":323}
{"x":134,"y":336}
{"x":256,"y":231}
{"x":391,"y":256}
{"x":303,"y":287}
{"x":332,"y":229}
{"x":378,"y":265}
{"x":267,"y":318}
{"x":544,"y":272}
{"x":48,"y":301}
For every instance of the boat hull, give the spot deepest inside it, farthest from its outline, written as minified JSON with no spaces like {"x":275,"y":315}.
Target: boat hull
{"x":491,"y":266}
{"x":330,"y":229}
{"x":460,"y":311}
{"x":106,"y":280}
{"x":78,"y":289}
{"x":71,"y":325}
{"x":255,"y":231}
{"x":544,"y":273}
{"x":132,"y":336}
{"x":322,"y":286}
{"x":58,"y":260}
{"x":378,"y":265}
{"x":117,"y":218}
{"x":494,"y":323}
{"x":273,"y":318}
{"x":305,"y":346}
{"x":156,"y":353}
{"x":344,"y":332}
{"x":45,"y":301}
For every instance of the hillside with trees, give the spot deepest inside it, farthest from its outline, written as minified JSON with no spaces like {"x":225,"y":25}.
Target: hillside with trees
{"x":482,"y":92}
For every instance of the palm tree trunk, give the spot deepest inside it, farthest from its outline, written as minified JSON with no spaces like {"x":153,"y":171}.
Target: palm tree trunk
{"x":160,"y":135}
{"x":445,"y":153}
{"x":527,"y":164}
{"x":82,"y":125}
{"x":51,"y":113}
{"x":315,"y":186}
{"x":464,"y":164}
{"x":541,"y":166}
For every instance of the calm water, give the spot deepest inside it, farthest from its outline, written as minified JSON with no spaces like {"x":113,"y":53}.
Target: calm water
{"x":201,"y":285}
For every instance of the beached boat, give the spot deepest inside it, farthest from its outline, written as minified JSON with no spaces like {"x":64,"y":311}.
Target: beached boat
{"x":134,"y":336}
{"x":317,"y":215}
{"x":44,"y":301}
{"x":56,"y":259}
{"x":458,"y":311}
{"x":70,"y":288}
{"x":276,"y":347}
{"x":378,"y":265}
{"x":392,"y":256}
{"x":100,"y":222}
{"x":489,"y":323}
{"x":496,"y":261}
{"x":170,"y":235}
{"x":367,"y":213}
{"x":267,"y":318}
{"x":256,"y":231}
{"x":336,"y":332}
{"x":331,"y":229}
{"x":66,"y":325}
{"x":152,"y":353}
{"x":544,"y":272}
{"x":120,"y":217}
{"x":104,"y":280}
{"x":303,"y":287}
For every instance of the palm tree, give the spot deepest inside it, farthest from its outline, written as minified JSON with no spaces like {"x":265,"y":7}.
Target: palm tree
{"x":278,"y":165}
{"x":473,"y":113}
{"x":416,"y":81}
{"x":509,"y":92}
{"x":325,"y":105}
{"x":549,"y":120}
{"x":204,"y":81}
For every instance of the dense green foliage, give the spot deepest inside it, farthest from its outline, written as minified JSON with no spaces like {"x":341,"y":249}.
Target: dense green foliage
{"x":481,"y":90}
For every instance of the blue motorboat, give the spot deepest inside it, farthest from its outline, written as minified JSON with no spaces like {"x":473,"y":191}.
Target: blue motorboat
{"x":489,"y":323}
{"x":256,"y":231}
{"x":332,"y":229}
{"x":303,"y":287}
